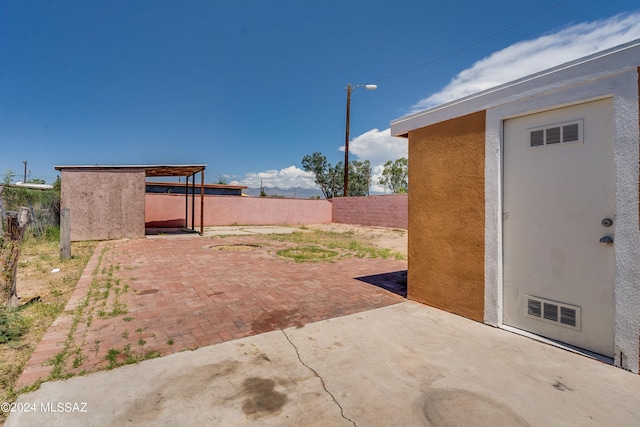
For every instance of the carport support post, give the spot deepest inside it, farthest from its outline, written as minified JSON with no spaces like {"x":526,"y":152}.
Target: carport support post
{"x":202,"y":202}
{"x":193,"y":202}
{"x":186,"y":202}
{"x":65,"y":234}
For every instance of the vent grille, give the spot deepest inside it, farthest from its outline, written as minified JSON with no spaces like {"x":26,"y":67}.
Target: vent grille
{"x":556,"y":134}
{"x":537,"y":138}
{"x":553,"y":136}
{"x":571,"y":133}
{"x":548,"y":311}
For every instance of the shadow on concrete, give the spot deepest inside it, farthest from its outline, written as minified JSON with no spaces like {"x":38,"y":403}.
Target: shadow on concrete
{"x":395,"y":281}
{"x":160,"y":231}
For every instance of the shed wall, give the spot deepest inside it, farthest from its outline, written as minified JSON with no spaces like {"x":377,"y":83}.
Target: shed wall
{"x":446,"y":215}
{"x":105,"y":204}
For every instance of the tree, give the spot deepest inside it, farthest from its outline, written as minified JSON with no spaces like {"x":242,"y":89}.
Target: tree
{"x":336,"y":179}
{"x":359,"y":178}
{"x":330,"y":178}
{"x":317,"y":164}
{"x":8,"y":177}
{"x":395,"y":176}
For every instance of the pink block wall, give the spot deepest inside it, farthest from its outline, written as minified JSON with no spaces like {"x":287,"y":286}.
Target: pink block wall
{"x":168,"y":210}
{"x":378,"y":211}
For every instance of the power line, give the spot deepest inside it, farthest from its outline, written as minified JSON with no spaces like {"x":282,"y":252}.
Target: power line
{"x":476,"y":43}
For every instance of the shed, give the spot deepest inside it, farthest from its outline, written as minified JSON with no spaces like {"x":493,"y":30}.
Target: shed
{"x":523,"y":205}
{"x":108,"y":202}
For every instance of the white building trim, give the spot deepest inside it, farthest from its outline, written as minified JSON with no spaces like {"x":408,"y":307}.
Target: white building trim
{"x":609,"y":74}
{"x":623,"y":88}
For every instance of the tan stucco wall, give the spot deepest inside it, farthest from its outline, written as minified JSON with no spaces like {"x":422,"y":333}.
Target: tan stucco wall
{"x":104,"y":204}
{"x":446,"y":215}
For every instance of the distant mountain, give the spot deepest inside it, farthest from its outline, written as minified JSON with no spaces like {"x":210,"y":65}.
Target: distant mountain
{"x":288,"y":193}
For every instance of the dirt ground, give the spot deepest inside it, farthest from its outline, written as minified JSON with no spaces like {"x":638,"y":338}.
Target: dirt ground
{"x":386,"y":238}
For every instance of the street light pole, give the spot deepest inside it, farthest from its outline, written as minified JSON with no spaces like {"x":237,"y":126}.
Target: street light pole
{"x":345,"y":191}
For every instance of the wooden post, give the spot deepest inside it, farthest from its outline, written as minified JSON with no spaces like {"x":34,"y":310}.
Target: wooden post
{"x":65,"y":234}
{"x":16,"y":224}
{"x":1,"y":212}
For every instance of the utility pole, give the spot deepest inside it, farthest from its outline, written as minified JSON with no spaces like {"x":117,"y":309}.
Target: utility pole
{"x":345,"y":191}
{"x":25,"y":171}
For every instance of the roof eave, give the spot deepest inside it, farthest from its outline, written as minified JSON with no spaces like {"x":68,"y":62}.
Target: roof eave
{"x":616,"y":59}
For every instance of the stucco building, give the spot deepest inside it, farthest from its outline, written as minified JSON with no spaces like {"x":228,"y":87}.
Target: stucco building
{"x":108,"y":202}
{"x":523,"y":205}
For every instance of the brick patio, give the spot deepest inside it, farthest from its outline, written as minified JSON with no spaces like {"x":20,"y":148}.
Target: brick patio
{"x":146,"y":297}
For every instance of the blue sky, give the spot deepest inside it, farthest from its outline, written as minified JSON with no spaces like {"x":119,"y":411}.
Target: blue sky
{"x":250,"y":87}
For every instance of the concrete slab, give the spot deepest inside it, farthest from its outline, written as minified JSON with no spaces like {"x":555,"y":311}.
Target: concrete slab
{"x":404,"y":364}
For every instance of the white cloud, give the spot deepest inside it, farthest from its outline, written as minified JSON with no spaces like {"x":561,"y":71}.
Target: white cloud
{"x":516,"y":61}
{"x":374,"y":145}
{"x":376,"y":173}
{"x":284,"y":178}
{"x":531,"y":56}
{"x":377,"y":147}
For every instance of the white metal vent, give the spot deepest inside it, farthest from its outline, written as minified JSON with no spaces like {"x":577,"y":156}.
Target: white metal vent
{"x":556,"y":134}
{"x":548,"y":311}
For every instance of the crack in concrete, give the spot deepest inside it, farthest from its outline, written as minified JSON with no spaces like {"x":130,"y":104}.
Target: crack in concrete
{"x":324,"y":386}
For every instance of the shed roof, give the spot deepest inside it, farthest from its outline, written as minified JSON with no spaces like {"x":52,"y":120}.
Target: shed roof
{"x":150,"y":170}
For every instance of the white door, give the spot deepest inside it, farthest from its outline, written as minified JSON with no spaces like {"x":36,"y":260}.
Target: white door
{"x":558,"y":183}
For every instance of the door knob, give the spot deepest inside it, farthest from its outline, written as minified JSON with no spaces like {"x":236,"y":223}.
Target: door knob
{"x":607,"y":222}
{"x":607,"y":240}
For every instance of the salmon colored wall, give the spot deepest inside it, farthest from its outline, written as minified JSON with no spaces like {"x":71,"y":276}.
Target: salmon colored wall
{"x":167,"y":210}
{"x":105,"y":204}
{"x":379,"y":211}
{"x":446,"y":215}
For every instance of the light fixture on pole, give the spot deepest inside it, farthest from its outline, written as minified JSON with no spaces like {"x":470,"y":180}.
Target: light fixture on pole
{"x":345,"y":191}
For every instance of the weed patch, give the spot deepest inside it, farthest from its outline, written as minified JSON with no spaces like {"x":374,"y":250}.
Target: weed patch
{"x":307,"y":253}
{"x":317,"y":245}
{"x":47,"y":294}
{"x":104,"y":299}
{"x":12,"y":325}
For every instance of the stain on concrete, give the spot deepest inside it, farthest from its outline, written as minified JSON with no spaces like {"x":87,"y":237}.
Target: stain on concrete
{"x":261,"y":398}
{"x":562,"y":387}
{"x":167,"y":393}
{"x":455,"y":408}
{"x":277,"y":319}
